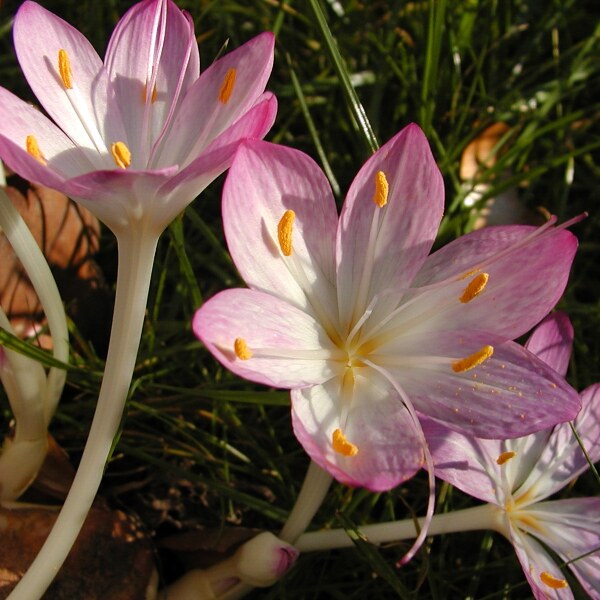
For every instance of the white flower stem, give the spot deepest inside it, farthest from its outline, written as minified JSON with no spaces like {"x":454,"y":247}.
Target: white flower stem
{"x":485,"y":516}
{"x":136,"y":256}
{"x":314,"y":489}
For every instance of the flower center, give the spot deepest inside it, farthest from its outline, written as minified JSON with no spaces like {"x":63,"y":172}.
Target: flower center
{"x":227,"y":86}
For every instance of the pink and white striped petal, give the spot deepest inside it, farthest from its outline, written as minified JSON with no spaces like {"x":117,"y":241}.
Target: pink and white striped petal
{"x":511,"y":393}
{"x":264,"y":182}
{"x":376,"y":416}
{"x":225,"y":91}
{"x":552,"y":341}
{"x":382,"y":248}
{"x":281,"y":346}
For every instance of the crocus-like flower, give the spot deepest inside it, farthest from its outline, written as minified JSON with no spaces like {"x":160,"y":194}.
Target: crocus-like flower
{"x":516,"y":476}
{"x":136,"y":139}
{"x":364,"y":327}
{"x":138,"y":136}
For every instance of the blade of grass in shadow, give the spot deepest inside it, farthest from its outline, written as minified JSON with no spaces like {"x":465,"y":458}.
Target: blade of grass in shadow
{"x":313,"y":130}
{"x":371,"y":554}
{"x":357,"y":111}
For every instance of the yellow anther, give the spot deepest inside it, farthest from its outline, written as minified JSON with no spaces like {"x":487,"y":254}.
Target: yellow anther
{"x":121,"y":154}
{"x":381,"y":189}
{"x":470,"y":362}
{"x":64,"y":68}
{"x":284,"y":232}
{"x":475,"y":287}
{"x":341,"y":445}
{"x":33,"y":149}
{"x":505,"y":457}
{"x":241,"y":349}
{"x":145,"y":92}
{"x":553,"y":582}
{"x":227,"y":86}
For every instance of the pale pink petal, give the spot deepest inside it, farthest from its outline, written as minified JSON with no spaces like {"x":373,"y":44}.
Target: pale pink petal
{"x":39,"y":61}
{"x":119,"y":197}
{"x":552,"y":341}
{"x":289,"y":348}
{"x":562,"y":459}
{"x":389,"y":450}
{"x":571,"y":528}
{"x":215,"y":159}
{"x":535,"y":561}
{"x":468,"y":463}
{"x":20,"y":120}
{"x":523,"y":285}
{"x":207,"y":111}
{"x":166,"y":64}
{"x":510,"y":394}
{"x":407,"y":224}
{"x":264,"y":181}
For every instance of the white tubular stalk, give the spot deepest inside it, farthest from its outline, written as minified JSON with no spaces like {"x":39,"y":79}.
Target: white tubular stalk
{"x":486,"y":516}
{"x":136,"y":255}
{"x":36,"y":266}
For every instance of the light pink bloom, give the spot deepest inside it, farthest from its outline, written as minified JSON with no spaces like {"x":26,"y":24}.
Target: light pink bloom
{"x":135,"y":138}
{"x":361,"y":324}
{"x":518,"y":475}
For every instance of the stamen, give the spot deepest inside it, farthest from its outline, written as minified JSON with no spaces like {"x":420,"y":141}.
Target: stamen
{"x":470,"y":362}
{"x":241,"y":349}
{"x":227,"y":86}
{"x":553,"y":582}
{"x":33,"y":149}
{"x":381,"y":189}
{"x":145,"y":93}
{"x":505,"y":457}
{"x":64,"y":68}
{"x":341,"y":444}
{"x":284,"y":232}
{"x":475,"y":287}
{"x":121,"y":154}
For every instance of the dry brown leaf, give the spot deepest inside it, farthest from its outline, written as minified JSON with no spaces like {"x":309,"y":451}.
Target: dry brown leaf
{"x":110,"y":559}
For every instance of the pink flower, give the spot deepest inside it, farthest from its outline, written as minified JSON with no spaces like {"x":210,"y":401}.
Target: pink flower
{"x":135,"y":138}
{"x":517,"y":475}
{"x":362,"y":325}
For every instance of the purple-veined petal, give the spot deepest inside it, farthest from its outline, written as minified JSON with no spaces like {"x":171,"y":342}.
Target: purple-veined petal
{"x":265,"y":181}
{"x":215,"y":159}
{"x":571,"y":527}
{"x":552,"y":341}
{"x":224,"y":92}
{"x":386,"y":254}
{"x":165,"y":65}
{"x":86,"y":122}
{"x":523,"y":285}
{"x":121,"y":197}
{"x":562,"y":460}
{"x":376,"y":417}
{"x":511,"y":394}
{"x":466,"y":462}
{"x":20,"y":120}
{"x":535,"y":561}
{"x":289,"y":348}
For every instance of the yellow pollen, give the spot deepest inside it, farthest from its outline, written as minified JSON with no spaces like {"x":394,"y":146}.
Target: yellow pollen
{"x":121,"y":154}
{"x":470,"y":362}
{"x":64,"y":68}
{"x":341,"y":445}
{"x":553,"y":582}
{"x":381,"y":189}
{"x":505,"y":457}
{"x":227,"y":86}
{"x":145,"y":92}
{"x":475,"y":287}
{"x":241,"y":349}
{"x":33,"y":149}
{"x":284,"y":232}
